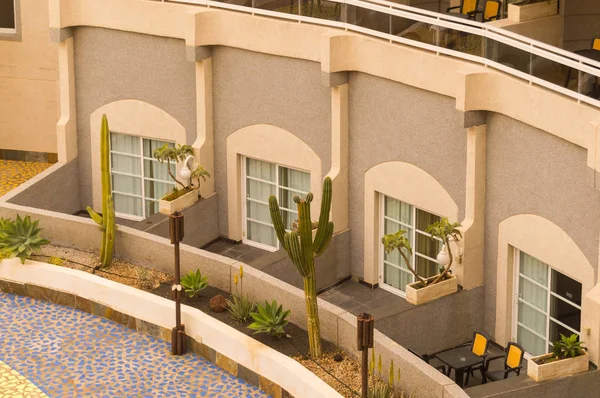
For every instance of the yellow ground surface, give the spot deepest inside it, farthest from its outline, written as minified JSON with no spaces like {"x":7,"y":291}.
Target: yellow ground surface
{"x":13,"y":173}
{"x":13,"y":385}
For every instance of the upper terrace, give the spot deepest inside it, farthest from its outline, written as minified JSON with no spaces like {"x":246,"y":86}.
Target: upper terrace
{"x":492,"y":44}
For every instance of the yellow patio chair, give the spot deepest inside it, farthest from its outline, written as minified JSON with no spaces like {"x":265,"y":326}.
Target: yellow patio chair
{"x":492,"y":9}
{"x":479,"y":347}
{"x":513,"y":362}
{"x":466,"y":7}
{"x":596,"y":43}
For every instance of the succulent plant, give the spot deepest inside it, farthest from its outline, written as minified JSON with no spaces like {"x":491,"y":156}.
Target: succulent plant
{"x":194,"y":283}
{"x":20,"y":238}
{"x":270,"y":319}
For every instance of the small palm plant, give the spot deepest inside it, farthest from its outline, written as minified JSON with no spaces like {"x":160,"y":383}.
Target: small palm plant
{"x":442,"y":230}
{"x":170,"y":154}
{"x":568,"y":347}
{"x":270,"y":319}
{"x":20,"y":238}
{"x":194,"y":283}
{"x":445,"y":231}
{"x":241,"y":306}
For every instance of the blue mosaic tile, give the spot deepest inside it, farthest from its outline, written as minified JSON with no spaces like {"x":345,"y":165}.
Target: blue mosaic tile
{"x":70,"y":353}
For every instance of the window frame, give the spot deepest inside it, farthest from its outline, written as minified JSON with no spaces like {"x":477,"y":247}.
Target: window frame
{"x":142,"y":176}
{"x":382,"y":262}
{"x":278,"y":187}
{"x":11,"y":32}
{"x":549,"y":295}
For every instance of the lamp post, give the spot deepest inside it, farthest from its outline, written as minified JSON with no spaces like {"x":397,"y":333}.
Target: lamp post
{"x":365,"y":325}
{"x":178,"y":338}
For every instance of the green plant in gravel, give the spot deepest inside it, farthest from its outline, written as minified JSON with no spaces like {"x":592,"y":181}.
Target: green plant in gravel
{"x":56,"y":261}
{"x":270,"y":319}
{"x":194,"y":283}
{"x":302,"y":250}
{"x":20,"y":238}
{"x":568,"y":347}
{"x":106,"y":221}
{"x":240,"y":306}
{"x":378,"y":387}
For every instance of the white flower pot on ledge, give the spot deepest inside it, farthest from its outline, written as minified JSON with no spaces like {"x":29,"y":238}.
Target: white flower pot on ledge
{"x":560,"y":368}
{"x":529,"y":12}
{"x":183,"y":202}
{"x":432,"y":292}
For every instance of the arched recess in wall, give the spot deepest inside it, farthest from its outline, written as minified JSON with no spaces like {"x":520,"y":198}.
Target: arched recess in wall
{"x":545,"y":241}
{"x":270,"y":144}
{"x":131,"y":117}
{"x":407,"y":183}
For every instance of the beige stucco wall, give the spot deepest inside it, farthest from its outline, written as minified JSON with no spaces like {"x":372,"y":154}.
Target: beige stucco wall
{"x":111,"y":66}
{"x":29,"y":83}
{"x":531,"y":172}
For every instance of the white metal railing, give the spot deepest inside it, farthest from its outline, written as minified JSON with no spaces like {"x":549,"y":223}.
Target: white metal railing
{"x":531,"y":60}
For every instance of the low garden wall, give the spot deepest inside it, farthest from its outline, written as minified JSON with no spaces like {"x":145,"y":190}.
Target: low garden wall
{"x":337,"y":325}
{"x":273,"y":372}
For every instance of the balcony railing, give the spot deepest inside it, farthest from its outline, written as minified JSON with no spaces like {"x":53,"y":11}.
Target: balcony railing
{"x":520,"y":56}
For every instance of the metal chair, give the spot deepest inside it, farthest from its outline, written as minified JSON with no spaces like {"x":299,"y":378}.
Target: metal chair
{"x":428,"y":359}
{"x":596,"y":43}
{"x":491,"y":11}
{"x":466,"y":7}
{"x":479,"y":347}
{"x":513,"y":363}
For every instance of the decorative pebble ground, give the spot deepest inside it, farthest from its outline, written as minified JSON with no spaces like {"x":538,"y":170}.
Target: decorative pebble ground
{"x":13,"y":173}
{"x":66,"y":352}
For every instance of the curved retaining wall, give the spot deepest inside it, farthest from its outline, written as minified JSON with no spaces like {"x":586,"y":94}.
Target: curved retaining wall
{"x":337,"y":325}
{"x":275,"y":373}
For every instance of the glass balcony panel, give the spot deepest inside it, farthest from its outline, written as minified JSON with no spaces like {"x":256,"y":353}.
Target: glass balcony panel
{"x":244,"y":3}
{"x":460,"y":41}
{"x":588,"y":84}
{"x":369,"y":19}
{"x":414,"y":30}
{"x":506,"y":55}
{"x":554,"y":72}
{"x":321,"y":9}
{"x":285,"y":6}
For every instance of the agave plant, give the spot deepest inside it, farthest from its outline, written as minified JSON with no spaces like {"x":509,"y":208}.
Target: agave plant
{"x":194,"y":282}
{"x":269,"y":319}
{"x":20,"y":238}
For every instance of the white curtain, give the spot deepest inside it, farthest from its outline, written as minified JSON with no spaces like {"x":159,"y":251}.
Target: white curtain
{"x":131,"y":165}
{"x":533,"y":304}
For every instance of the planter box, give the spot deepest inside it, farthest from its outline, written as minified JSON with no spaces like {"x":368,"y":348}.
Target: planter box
{"x":182,"y":202}
{"x":564,"y":367}
{"x":432,"y":292}
{"x":529,"y":12}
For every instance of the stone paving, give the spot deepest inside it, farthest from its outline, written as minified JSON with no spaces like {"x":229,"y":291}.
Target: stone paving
{"x":66,"y":352}
{"x":13,"y":385}
{"x":13,"y":173}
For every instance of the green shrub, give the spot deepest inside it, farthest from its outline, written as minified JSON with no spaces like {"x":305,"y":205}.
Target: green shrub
{"x":241,"y":306}
{"x":269,"y":319}
{"x":194,"y":282}
{"x":20,"y":238}
{"x":568,"y":347}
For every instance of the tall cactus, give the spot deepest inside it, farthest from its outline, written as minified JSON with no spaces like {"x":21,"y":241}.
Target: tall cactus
{"x":302,"y":250}
{"x":106,"y":221}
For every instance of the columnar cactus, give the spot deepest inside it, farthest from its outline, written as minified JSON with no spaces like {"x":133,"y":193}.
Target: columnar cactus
{"x":302,"y":250}
{"x":106,"y":221}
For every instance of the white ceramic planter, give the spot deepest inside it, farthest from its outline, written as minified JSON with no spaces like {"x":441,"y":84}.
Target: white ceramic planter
{"x":533,"y":11}
{"x":564,"y":367}
{"x":432,"y":292}
{"x":182,"y":202}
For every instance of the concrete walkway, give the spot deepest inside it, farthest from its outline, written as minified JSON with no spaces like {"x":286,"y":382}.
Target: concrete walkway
{"x":69,"y":353}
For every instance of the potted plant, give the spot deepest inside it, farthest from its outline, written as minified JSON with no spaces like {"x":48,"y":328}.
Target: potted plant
{"x":187,"y":195}
{"x":425,"y":290}
{"x":568,"y":357}
{"x":528,"y":10}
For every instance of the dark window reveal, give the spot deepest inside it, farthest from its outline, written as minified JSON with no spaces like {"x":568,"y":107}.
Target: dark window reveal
{"x":7,"y":14}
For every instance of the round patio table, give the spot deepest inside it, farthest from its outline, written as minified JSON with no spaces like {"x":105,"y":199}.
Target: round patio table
{"x":459,"y":359}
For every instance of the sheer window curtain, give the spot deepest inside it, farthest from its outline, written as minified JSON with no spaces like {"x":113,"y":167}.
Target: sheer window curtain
{"x":126,"y":174}
{"x":533,"y":304}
